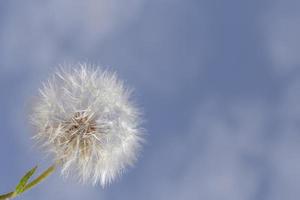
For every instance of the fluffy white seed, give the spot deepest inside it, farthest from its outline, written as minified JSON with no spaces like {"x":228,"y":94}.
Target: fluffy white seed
{"x":85,"y":118}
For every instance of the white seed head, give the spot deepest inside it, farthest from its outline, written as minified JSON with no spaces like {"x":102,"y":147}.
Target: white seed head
{"x":85,"y":118}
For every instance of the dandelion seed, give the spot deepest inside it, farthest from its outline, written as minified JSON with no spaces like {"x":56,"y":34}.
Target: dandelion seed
{"x":85,"y":117}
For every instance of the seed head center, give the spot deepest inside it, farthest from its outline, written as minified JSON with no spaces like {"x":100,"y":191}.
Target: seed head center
{"x":81,"y":124}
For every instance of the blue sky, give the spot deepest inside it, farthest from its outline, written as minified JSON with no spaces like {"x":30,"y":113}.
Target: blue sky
{"x":218,"y":82}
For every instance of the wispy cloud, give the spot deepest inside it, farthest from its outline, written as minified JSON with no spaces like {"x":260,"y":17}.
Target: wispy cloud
{"x":237,"y":150}
{"x":59,"y":29}
{"x":282,"y":34}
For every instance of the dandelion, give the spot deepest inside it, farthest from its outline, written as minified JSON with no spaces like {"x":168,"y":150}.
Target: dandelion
{"x":85,"y":118}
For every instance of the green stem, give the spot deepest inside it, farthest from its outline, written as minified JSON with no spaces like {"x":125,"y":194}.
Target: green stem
{"x":8,"y":196}
{"x":40,"y":178}
{"x":30,"y":185}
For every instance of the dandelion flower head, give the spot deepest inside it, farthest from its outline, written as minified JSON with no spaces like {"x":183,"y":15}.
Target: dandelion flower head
{"x":85,"y":118}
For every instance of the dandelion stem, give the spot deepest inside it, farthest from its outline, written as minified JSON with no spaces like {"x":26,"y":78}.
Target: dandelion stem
{"x":40,"y":178}
{"x":31,"y":184}
{"x":8,"y":196}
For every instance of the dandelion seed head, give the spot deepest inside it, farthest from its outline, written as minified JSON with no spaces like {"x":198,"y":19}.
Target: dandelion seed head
{"x":84,"y":116}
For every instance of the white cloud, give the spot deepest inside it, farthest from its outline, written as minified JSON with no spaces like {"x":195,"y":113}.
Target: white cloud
{"x":209,"y":161}
{"x":281,"y":28}
{"x":236,"y":150}
{"x":284,"y":155}
{"x":59,"y":29}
